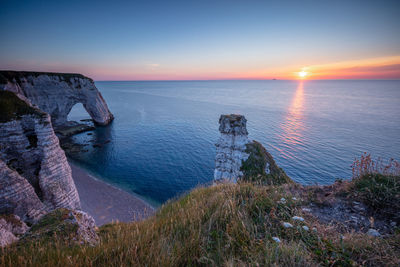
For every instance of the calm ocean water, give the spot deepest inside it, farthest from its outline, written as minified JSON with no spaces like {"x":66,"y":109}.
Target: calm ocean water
{"x":163,"y":135}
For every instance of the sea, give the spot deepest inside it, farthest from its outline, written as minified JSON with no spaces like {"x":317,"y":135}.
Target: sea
{"x":162,"y":141}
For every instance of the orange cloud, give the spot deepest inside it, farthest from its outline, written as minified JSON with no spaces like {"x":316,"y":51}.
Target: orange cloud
{"x":375,"y":68}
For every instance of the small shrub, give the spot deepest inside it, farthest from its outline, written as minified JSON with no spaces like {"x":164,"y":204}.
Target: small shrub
{"x":377,"y":185}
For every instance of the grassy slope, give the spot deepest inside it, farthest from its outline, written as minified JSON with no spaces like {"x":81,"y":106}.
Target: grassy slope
{"x":223,"y":225}
{"x":254,"y":168}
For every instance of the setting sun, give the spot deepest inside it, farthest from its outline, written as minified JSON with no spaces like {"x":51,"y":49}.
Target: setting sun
{"x":302,"y":74}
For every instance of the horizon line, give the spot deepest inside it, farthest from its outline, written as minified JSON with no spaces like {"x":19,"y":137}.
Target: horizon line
{"x":205,"y":80}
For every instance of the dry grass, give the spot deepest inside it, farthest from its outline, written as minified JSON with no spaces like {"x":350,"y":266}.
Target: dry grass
{"x":377,"y":184}
{"x":366,"y":165}
{"x":224,"y":225}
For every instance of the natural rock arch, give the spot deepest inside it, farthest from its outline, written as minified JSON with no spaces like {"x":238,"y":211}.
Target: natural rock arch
{"x":57,"y":93}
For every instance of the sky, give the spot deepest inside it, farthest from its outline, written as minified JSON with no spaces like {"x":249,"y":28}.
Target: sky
{"x":203,"y":40}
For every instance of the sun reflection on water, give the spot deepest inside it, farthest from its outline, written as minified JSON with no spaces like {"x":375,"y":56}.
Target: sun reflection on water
{"x":293,"y":125}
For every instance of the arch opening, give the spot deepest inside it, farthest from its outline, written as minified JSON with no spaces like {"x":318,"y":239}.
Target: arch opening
{"x":78,"y":113}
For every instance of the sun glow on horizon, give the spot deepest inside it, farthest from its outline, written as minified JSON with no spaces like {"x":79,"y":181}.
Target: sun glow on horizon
{"x":302,"y":74}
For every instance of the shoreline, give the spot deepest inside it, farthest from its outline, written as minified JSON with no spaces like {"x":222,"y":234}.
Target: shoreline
{"x":105,"y":202}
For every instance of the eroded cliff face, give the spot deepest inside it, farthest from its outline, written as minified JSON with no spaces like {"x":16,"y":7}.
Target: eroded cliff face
{"x":238,"y":158}
{"x":57,"y":93}
{"x":18,"y":196}
{"x":231,"y":148}
{"x":35,"y":176}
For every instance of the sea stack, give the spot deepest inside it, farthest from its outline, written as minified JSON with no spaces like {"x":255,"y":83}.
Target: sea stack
{"x":231,"y":148}
{"x":238,"y":158}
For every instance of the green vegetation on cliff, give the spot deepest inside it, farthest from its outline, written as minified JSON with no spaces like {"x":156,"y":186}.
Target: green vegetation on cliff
{"x":12,"y":107}
{"x":260,"y":166}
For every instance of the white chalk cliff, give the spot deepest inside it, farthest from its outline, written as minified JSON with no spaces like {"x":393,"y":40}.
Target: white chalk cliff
{"x":231,"y":148}
{"x":35,"y":176}
{"x":57,"y":93}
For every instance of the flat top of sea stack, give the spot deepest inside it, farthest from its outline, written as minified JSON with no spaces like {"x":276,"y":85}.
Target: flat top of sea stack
{"x":232,"y":117}
{"x":233,"y":124}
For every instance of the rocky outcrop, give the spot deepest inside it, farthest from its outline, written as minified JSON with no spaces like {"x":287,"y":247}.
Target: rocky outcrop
{"x":57,"y":93}
{"x":35,"y":176}
{"x":73,"y":226}
{"x":238,"y":158}
{"x":17,"y":196}
{"x":11,"y":227}
{"x":231,"y":148}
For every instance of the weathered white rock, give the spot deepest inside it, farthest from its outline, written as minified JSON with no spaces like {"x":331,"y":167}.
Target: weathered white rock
{"x":73,"y":226}
{"x":373,"y":232}
{"x":231,"y":148}
{"x":35,"y":176}
{"x":57,"y":93}
{"x":6,"y":237}
{"x":10,"y":227}
{"x":86,"y":227}
{"x":17,"y":196}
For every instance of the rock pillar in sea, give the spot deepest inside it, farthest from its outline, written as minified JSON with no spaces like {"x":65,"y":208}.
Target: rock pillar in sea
{"x":231,"y":148}
{"x":238,"y":158}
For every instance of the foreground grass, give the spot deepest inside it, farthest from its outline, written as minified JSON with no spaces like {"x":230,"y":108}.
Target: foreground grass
{"x":223,"y":225}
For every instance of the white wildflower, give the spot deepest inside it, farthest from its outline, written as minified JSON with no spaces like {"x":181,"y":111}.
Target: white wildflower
{"x":287,"y":225}
{"x":276,"y":239}
{"x":306,"y":228}
{"x":297,"y":218}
